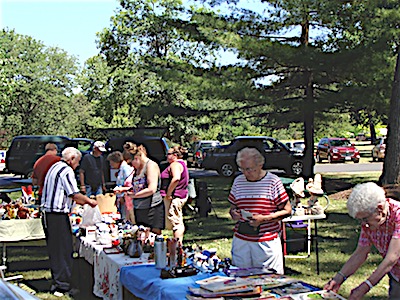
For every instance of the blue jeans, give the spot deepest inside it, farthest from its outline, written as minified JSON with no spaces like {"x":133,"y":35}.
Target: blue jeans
{"x":90,"y":192}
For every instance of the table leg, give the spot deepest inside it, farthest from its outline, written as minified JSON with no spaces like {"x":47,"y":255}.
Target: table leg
{"x":316,"y":245}
{"x":283,"y":241}
{"x":308,"y":237}
{"x":4,"y":257}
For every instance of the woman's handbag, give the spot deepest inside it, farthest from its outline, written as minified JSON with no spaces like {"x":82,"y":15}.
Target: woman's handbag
{"x":247,"y":229}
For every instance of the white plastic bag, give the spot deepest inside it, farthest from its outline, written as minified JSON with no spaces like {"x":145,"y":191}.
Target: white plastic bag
{"x":192,"y":189}
{"x":90,"y":215}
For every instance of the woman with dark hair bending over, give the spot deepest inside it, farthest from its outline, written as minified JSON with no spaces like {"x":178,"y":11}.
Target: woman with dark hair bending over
{"x":175,"y":180}
{"x":147,"y":201}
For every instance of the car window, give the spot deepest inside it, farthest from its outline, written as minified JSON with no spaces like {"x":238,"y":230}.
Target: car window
{"x":209,"y":144}
{"x":84,"y":145}
{"x":270,"y":145}
{"x":340,"y":143}
{"x":266,"y":145}
{"x":299,"y":145}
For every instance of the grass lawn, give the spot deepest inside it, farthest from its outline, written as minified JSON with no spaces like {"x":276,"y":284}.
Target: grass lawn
{"x":338,"y":238}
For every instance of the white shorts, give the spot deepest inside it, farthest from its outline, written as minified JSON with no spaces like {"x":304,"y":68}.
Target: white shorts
{"x":258,"y":254}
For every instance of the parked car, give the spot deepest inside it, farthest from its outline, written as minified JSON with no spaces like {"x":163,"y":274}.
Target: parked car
{"x":157,"y":149}
{"x":378,"y":152}
{"x":337,"y":149}
{"x":206,"y":144}
{"x":26,"y":149}
{"x":2,"y":160}
{"x":84,"y":145}
{"x":296,"y":146}
{"x":199,"y":151}
{"x":277,"y":156}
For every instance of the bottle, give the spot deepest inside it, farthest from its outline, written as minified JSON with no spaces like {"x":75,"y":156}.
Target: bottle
{"x":172,"y":252}
{"x":160,"y":252}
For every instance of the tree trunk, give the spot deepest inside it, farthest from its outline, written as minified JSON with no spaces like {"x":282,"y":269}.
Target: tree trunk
{"x":391,"y":166}
{"x":308,"y":109}
{"x":372,"y":129}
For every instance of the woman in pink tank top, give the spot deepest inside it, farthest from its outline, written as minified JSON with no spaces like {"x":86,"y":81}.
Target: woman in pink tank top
{"x":174,"y":183}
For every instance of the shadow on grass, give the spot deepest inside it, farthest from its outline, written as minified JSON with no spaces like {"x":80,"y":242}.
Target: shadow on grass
{"x":334,"y":185}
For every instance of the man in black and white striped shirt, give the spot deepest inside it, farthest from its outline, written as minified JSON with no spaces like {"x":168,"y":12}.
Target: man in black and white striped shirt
{"x":59,"y":192}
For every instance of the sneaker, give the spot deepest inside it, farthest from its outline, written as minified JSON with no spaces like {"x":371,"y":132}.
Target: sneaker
{"x":58,"y":294}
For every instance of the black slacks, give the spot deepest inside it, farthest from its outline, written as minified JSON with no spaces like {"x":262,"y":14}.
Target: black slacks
{"x":57,"y":229}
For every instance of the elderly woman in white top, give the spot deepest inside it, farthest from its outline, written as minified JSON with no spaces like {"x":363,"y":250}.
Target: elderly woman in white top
{"x":380,"y":227}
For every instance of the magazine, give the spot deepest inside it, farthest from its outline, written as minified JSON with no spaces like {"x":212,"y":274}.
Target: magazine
{"x":270,"y":281}
{"x":248,"y":291}
{"x":243,"y":272}
{"x":318,"y":295}
{"x":293,"y":288}
{"x":222,"y":283}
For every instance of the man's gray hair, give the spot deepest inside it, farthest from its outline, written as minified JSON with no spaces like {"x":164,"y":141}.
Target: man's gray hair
{"x":249,"y":153}
{"x":70,"y":152}
{"x":365,"y":197}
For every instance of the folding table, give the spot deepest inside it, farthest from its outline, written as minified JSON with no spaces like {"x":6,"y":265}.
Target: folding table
{"x":309,"y":219}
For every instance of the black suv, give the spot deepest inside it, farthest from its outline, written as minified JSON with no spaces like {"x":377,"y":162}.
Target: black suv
{"x":157,"y":148}
{"x":26,"y":149}
{"x":277,"y":156}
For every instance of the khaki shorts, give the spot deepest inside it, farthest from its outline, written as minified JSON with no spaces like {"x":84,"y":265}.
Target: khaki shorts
{"x":174,"y":213}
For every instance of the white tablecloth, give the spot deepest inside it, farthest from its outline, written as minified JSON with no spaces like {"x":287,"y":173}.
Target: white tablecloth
{"x":21,"y":230}
{"x":107,"y":267}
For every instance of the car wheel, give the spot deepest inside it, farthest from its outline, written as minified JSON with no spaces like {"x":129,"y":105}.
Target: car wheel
{"x":297,"y":168}
{"x":356,"y":161}
{"x":330,"y":159}
{"x":29,"y":174}
{"x":319,"y":159}
{"x":227,"y":170}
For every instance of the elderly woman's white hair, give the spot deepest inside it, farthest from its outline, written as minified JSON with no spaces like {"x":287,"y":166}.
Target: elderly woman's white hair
{"x":249,"y":153}
{"x":70,"y":152}
{"x":365,"y":197}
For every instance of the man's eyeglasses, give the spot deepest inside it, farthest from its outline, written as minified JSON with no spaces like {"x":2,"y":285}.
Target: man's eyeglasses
{"x":172,"y":153}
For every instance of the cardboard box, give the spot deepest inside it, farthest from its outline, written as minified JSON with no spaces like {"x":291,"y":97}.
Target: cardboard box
{"x":107,"y":203}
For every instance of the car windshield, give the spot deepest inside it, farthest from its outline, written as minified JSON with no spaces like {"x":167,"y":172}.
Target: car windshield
{"x":340,"y":143}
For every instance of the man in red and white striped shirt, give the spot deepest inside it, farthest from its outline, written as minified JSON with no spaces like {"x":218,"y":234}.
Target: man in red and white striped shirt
{"x":258,"y":203}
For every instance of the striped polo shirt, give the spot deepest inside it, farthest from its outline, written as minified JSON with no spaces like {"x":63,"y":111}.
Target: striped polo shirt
{"x":59,"y":186}
{"x":262,"y":197}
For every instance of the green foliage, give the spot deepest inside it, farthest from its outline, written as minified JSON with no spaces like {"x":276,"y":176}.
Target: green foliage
{"x":281,"y":76}
{"x":38,"y":89}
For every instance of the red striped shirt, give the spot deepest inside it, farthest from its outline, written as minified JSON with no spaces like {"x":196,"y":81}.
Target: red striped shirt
{"x":262,"y":197}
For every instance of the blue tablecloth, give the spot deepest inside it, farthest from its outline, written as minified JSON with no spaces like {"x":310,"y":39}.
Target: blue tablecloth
{"x":145,"y":282}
